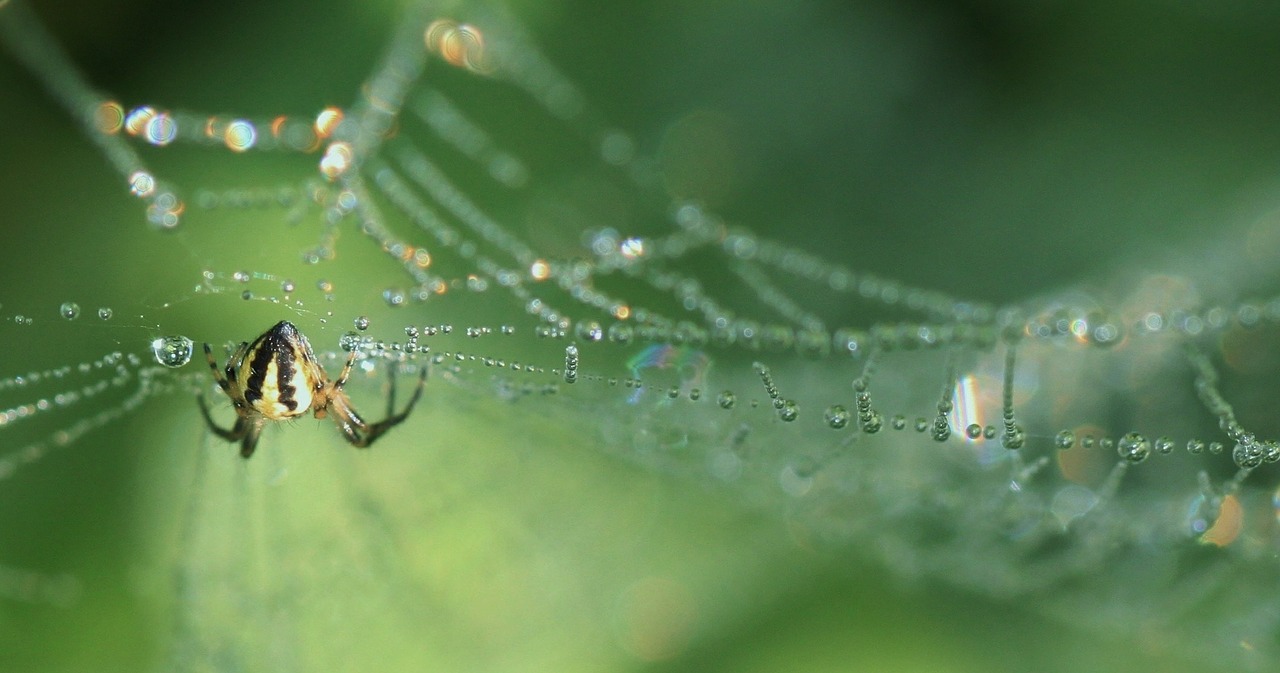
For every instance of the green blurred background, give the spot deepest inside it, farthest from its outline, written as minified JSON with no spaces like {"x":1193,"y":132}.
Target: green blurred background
{"x":999,"y":150}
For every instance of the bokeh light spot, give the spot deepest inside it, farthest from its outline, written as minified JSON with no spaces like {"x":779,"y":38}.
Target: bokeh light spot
{"x":240,"y":135}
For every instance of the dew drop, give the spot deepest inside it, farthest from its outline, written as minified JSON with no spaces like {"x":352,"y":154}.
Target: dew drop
{"x":872,"y":423}
{"x":898,"y":422}
{"x":1195,"y":446}
{"x":1164,"y":445}
{"x":590,"y":330}
{"x":941,"y":429}
{"x":922,"y":424}
{"x":1133,"y":447}
{"x":349,"y":341}
{"x":69,"y":310}
{"x":1215,"y":447}
{"x":836,"y":416}
{"x":1064,"y":440}
{"x":1014,"y":437}
{"x":695,"y":394}
{"x":1086,"y":442}
{"x":362,"y":323}
{"x":620,"y":333}
{"x":288,"y":287}
{"x":1247,"y":455}
{"x":104,"y":313}
{"x":172,"y":351}
{"x":394,"y":296}
{"x":571,"y":363}
{"x":974,"y":431}
{"x":726,"y":399}
{"x":788,"y":411}
{"x":1270,"y":451}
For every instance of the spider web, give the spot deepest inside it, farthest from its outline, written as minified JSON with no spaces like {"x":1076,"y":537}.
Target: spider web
{"x":647,"y":254}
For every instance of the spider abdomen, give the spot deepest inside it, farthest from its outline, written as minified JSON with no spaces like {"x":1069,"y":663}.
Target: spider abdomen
{"x":274,"y":375}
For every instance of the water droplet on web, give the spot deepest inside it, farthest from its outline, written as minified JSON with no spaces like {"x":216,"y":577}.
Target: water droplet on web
{"x":1195,"y":446}
{"x":941,"y":429}
{"x":172,"y":351}
{"x":288,"y":287}
{"x":571,"y":363}
{"x":726,"y":399}
{"x":590,"y":331}
{"x":898,"y":422}
{"x":788,"y":411}
{"x":797,"y":478}
{"x":1270,"y":451}
{"x":1065,"y":439}
{"x":620,"y":333}
{"x":836,"y":416}
{"x":69,"y":310}
{"x":1247,"y":455}
{"x":104,"y":313}
{"x":362,"y":323}
{"x":349,"y":341}
{"x":394,"y":296}
{"x":872,"y":423}
{"x":1164,"y":445}
{"x":974,"y":431}
{"x":1134,"y":448}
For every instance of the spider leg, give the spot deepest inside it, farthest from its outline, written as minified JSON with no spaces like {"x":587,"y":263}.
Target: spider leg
{"x":362,"y":434}
{"x":250,"y":442}
{"x":346,"y":371}
{"x":348,"y":421}
{"x":217,"y":373}
{"x":236,"y":432}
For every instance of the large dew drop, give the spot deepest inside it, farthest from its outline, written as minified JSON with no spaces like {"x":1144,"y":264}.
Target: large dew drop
{"x":172,"y":351}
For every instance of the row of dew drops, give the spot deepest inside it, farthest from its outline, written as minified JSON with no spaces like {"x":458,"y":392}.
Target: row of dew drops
{"x":175,"y":351}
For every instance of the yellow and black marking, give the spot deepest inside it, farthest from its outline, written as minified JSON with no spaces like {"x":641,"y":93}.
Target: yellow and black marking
{"x":279,"y":381}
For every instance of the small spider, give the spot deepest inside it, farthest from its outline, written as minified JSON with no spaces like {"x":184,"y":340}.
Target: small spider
{"x":277,"y":377}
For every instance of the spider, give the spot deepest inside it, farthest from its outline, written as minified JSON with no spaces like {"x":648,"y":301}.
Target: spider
{"x":277,"y":377}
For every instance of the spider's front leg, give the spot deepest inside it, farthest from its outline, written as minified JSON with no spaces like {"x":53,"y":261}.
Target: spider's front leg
{"x":236,"y":432}
{"x":217,"y":372}
{"x":253,"y":430}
